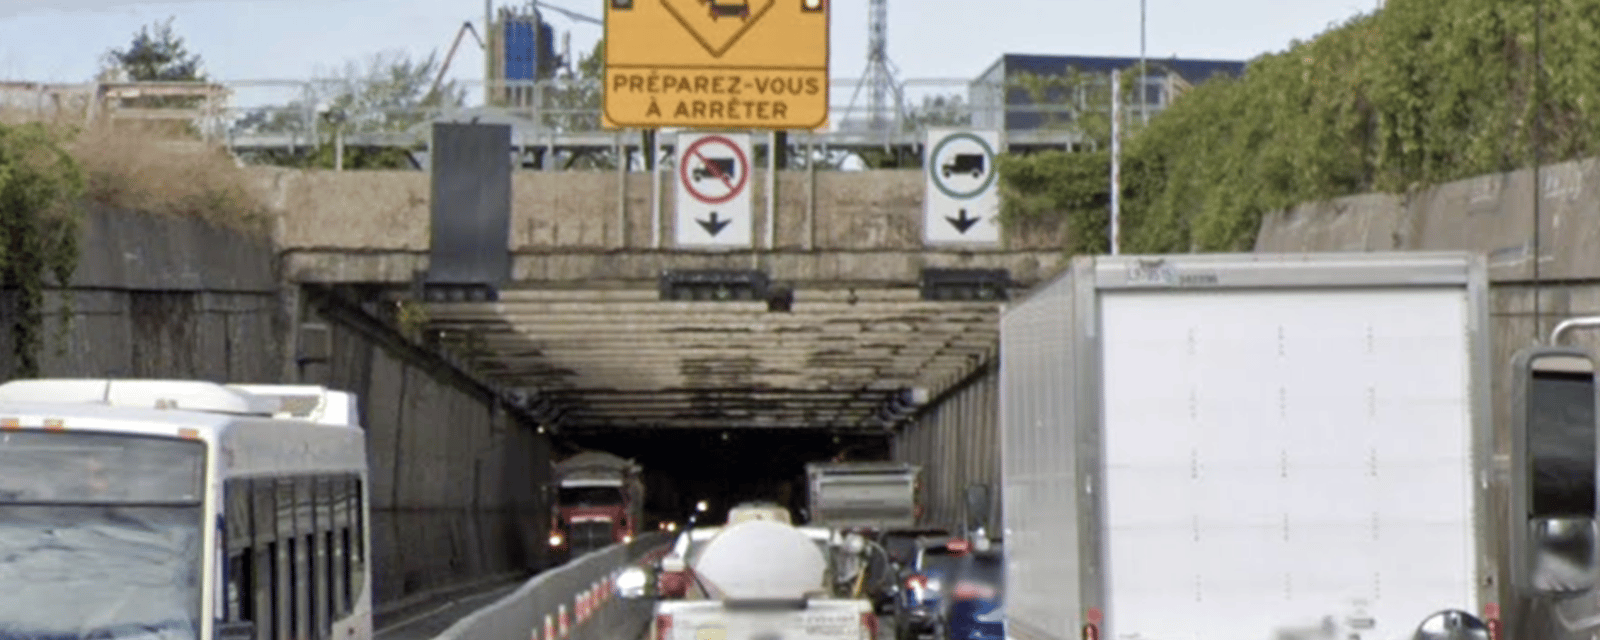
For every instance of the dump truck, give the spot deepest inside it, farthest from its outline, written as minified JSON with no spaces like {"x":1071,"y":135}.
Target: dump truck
{"x":1266,"y":447}
{"x":875,"y":496}
{"x":598,"y":501}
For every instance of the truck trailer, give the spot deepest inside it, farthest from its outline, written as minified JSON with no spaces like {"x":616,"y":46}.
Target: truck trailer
{"x":874,"y":496}
{"x":1269,"y":447}
{"x":598,"y":501}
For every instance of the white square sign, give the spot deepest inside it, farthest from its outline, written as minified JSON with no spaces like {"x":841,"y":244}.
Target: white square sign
{"x":962,"y":201}
{"x":713,"y":203}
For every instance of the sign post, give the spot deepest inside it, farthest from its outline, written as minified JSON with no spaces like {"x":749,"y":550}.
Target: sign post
{"x":716,"y":64}
{"x":962,"y":202}
{"x":713,"y":176}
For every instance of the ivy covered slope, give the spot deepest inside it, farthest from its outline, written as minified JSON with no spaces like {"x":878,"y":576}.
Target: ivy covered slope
{"x":1418,"y":93}
{"x":40,"y":189}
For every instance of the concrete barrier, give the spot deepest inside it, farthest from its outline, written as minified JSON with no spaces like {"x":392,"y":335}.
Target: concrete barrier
{"x":573,"y":602}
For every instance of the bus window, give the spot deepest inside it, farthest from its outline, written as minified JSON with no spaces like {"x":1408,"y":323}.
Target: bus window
{"x":239,"y":603}
{"x":265,"y":516}
{"x":322,"y":557}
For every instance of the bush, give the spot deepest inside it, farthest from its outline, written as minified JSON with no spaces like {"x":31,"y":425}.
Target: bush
{"x":1418,"y":93}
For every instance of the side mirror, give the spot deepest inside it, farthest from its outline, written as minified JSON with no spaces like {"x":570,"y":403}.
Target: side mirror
{"x":635,"y":583}
{"x":977,"y":503}
{"x":238,"y":630}
{"x":1555,"y":540}
{"x":1452,"y":625}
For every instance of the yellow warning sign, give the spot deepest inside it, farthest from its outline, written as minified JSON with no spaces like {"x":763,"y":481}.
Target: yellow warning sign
{"x":716,"y":64}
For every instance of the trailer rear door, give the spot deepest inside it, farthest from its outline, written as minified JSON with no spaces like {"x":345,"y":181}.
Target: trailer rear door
{"x":1273,"y":458}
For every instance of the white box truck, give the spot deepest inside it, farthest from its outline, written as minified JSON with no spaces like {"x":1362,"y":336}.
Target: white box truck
{"x":1267,"y":447}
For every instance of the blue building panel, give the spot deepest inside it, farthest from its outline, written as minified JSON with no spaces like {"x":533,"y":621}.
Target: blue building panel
{"x":1019,"y":115}
{"x":528,"y":56}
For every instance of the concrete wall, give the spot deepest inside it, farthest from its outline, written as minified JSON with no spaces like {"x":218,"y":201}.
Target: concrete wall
{"x":957,"y":442}
{"x":455,"y":479}
{"x":168,"y":297}
{"x":1489,"y":214}
{"x":830,"y":226}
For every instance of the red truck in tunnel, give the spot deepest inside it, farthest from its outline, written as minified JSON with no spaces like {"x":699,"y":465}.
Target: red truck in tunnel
{"x":598,"y":501}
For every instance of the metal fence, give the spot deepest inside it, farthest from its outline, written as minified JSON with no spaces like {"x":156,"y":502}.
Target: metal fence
{"x":295,"y":113}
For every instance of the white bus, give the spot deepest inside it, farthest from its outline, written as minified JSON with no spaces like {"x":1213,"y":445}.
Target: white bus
{"x":177,"y":510}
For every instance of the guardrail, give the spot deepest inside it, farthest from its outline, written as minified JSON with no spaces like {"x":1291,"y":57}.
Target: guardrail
{"x":574,"y":602}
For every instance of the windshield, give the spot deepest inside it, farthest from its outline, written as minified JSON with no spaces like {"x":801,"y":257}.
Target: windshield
{"x":590,"y":496}
{"x":99,"y":536}
{"x":936,"y":560}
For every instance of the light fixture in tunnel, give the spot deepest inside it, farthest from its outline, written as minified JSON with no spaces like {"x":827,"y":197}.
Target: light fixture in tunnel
{"x":701,"y":506}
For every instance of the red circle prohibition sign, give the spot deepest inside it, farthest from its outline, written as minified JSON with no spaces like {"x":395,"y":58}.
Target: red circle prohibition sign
{"x":693,"y":156}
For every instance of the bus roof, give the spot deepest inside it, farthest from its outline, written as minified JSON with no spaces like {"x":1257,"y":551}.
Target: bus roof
{"x":216,"y":402}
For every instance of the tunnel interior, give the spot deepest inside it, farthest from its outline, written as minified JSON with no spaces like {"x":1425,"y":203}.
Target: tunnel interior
{"x":725,"y":467}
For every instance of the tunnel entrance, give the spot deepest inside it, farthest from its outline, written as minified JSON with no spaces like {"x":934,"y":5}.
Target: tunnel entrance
{"x":726,"y":467}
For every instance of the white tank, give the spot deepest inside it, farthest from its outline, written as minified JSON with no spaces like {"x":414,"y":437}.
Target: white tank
{"x":762,"y":560}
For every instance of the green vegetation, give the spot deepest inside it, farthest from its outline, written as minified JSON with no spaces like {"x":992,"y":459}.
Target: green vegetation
{"x":1421,"y":92}
{"x":156,"y":54}
{"x":387,"y":93}
{"x":40,"y":186}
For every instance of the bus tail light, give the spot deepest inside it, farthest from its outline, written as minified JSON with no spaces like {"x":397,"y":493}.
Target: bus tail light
{"x":663,"y":626}
{"x":869,"y":626}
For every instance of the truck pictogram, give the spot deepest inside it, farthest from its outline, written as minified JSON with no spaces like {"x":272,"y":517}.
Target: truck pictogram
{"x":714,"y":168}
{"x":729,"y":9}
{"x":965,"y":163}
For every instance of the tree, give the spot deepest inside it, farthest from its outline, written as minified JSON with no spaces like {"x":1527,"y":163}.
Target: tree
{"x":156,"y":54}
{"x":387,"y":93}
{"x":40,"y":186}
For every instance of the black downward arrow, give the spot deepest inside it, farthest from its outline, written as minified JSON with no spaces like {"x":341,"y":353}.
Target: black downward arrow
{"x":963,"y":222}
{"x":714,"y":226}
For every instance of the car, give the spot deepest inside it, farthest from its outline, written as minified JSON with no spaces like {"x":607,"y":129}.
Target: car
{"x":974,"y":607}
{"x":924,"y":585}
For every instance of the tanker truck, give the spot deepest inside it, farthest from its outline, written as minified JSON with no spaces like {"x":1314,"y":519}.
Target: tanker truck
{"x":760,"y":578}
{"x":598,"y":501}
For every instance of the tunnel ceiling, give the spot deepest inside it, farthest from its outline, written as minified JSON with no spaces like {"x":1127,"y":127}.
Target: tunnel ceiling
{"x":626,"y":359}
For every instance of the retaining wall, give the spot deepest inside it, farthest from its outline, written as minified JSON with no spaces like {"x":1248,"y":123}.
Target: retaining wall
{"x":456,"y":479}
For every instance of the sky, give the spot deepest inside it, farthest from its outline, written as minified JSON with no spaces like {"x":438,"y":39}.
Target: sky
{"x":258,"y":40}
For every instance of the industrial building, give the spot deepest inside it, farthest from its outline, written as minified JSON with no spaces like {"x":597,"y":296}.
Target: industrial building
{"x":1002,"y":98}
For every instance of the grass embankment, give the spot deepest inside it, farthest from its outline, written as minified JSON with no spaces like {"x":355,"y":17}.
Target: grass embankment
{"x":1418,"y":93}
{"x":157,"y":168}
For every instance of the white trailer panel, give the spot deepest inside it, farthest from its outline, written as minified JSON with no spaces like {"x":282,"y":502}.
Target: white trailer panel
{"x":1241,"y":446}
{"x":1273,"y":458}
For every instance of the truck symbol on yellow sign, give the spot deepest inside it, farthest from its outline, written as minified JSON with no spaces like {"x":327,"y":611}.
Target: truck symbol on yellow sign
{"x":738,"y":9}
{"x":724,"y":64}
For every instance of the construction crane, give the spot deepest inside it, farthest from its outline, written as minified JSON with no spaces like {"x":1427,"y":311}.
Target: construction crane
{"x":466,"y":27}
{"x":569,"y":13}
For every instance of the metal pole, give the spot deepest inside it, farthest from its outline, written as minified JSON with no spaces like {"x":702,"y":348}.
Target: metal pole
{"x":1116,"y":161}
{"x":1569,"y":324}
{"x":655,"y":190}
{"x":811,"y":192}
{"x":338,"y":148}
{"x":621,"y":146}
{"x":488,"y":52}
{"x":1144,"y":89}
{"x":1538,"y":159}
{"x":772,"y":190}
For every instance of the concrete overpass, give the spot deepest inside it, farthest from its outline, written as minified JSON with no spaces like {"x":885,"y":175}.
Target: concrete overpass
{"x":846,"y":321}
